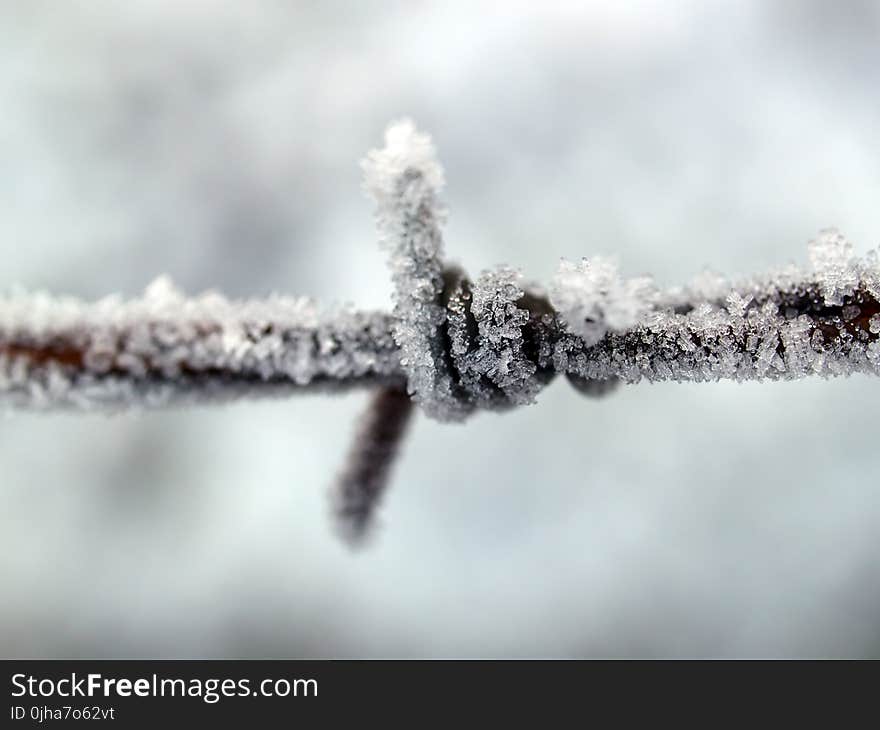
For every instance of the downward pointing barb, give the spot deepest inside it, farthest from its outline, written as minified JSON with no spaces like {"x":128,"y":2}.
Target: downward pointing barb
{"x":359,"y":488}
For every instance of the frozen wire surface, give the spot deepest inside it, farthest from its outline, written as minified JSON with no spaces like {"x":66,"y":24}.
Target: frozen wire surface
{"x":166,"y":348}
{"x":487,"y":344}
{"x":784,"y":325}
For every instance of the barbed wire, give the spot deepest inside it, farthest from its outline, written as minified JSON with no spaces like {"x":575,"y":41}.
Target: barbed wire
{"x":453,"y":345}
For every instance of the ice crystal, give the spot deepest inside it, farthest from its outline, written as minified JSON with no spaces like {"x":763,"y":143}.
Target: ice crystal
{"x":494,"y":368}
{"x":708,"y":285}
{"x":593,"y":299}
{"x":871,"y":273}
{"x":833,"y":261}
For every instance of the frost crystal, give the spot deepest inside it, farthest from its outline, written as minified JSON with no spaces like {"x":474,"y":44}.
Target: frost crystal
{"x":871,"y":273}
{"x":404,"y":179}
{"x":708,"y":286}
{"x":737,"y":304}
{"x":495,"y":370}
{"x":593,"y":299}
{"x":834,"y":264}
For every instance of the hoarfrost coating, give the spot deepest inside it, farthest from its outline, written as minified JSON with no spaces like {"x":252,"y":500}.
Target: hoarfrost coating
{"x":404,"y":178}
{"x":164,"y":347}
{"x":785,"y":325}
{"x":457,"y":345}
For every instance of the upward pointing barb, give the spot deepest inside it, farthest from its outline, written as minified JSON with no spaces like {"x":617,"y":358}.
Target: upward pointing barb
{"x":404,"y":178}
{"x":463,"y":345}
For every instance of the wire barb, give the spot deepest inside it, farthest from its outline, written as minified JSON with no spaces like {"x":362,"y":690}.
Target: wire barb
{"x":404,"y":179}
{"x":359,"y":488}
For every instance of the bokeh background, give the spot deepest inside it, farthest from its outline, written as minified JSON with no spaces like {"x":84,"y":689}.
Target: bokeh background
{"x":219,"y":142}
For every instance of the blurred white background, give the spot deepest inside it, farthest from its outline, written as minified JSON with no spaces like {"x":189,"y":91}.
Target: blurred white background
{"x":219,"y":142}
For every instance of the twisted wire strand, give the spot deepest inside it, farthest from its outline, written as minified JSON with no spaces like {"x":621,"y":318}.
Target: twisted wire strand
{"x":102,"y":359}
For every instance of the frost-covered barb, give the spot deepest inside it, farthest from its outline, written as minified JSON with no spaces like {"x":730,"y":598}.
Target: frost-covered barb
{"x":452,"y":345}
{"x":404,"y":178}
